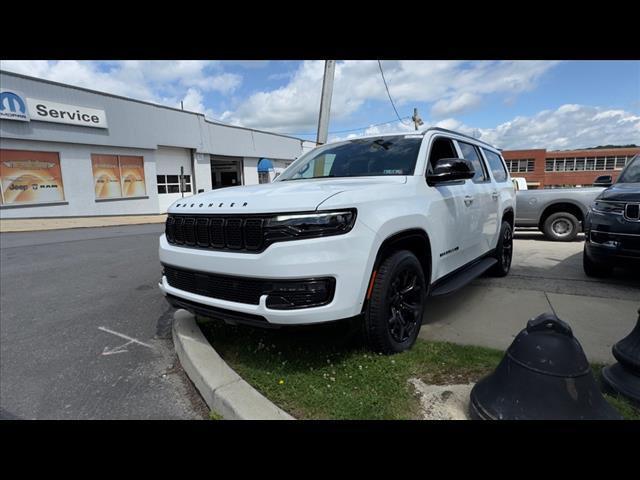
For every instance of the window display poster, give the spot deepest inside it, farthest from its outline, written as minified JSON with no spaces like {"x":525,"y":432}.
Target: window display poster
{"x":132,"y":175}
{"x":30,"y":177}
{"x":106,"y":176}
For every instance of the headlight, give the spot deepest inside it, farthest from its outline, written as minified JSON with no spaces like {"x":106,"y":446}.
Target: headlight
{"x":605,"y":206}
{"x":309,"y":225}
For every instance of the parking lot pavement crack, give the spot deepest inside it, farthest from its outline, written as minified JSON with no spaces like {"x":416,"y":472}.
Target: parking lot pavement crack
{"x":549,"y":302}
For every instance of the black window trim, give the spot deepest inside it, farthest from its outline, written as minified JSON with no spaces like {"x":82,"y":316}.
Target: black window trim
{"x":482,"y":161}
{"x":504,"y":166}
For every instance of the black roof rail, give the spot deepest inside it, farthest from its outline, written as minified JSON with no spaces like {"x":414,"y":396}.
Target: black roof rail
{"x":440,"y":129}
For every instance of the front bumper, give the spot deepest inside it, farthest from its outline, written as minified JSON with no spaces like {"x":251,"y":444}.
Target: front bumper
{"x":612,"y":240}
{"x":346,"y":258}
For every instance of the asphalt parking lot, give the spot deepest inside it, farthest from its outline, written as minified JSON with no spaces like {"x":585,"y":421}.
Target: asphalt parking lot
{"x":85,"y":330}
{"x":545,"y":277}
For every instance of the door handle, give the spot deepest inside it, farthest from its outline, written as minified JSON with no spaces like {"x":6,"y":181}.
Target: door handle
{"x":468,"y":200}
{"x":495,"y":195}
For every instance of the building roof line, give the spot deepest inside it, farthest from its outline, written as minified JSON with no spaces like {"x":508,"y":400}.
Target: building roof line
{"x":144,"y":102}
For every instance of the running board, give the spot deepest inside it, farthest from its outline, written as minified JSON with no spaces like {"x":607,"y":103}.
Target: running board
{"x":464,"y":276}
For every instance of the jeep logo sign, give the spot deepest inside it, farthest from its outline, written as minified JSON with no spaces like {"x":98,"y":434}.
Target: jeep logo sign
{"x":46,"y":111}
{"x":13,"y":106}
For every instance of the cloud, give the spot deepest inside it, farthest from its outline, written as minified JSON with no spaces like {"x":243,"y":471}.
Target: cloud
{"x":159,"y":81}
{"x":453,"y":87}
{"x":569,"y":126}
{"x":459,"y":103}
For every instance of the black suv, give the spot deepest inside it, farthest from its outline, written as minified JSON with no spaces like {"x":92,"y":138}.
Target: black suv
{"x":612,"y":225}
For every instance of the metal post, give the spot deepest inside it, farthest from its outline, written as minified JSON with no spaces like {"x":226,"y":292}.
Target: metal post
{"x":325,"y":101}
{"x":181,"y":181}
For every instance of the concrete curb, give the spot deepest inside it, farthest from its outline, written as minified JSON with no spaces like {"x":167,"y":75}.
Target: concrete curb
{"x":224,"y":391}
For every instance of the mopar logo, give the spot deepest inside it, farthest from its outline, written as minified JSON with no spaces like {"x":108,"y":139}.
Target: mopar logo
{"x":13,"y":106}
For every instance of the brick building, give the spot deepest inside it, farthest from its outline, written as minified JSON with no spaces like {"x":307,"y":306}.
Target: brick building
{"x":564,"y":168}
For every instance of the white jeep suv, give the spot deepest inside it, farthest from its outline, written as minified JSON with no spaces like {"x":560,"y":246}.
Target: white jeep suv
{"x":364,"y":229}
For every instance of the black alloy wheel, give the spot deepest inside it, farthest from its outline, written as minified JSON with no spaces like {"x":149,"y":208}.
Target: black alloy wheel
{"x":504,"y":251}
{"x":405,"y":304}
{"x":394,"y":311}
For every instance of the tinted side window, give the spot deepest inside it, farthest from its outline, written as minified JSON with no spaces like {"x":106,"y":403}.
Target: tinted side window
{"x":496,"y":166}
{"x":440,"y":148}
{"x":471,"y":153}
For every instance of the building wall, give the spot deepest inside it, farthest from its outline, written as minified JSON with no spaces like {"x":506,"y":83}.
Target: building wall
{"x":140,"y":125}
{"x":250,"y":172}
{"x":78,"y":182}
{"x":164,"y":136}
{"x":547,"y":179}
{"x":202,"y":172}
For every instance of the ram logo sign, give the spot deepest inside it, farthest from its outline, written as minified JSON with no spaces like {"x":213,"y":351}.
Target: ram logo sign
{"x":13,"y":106}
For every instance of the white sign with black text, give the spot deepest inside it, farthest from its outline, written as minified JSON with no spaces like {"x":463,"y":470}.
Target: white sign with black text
{"x":46,"y":111}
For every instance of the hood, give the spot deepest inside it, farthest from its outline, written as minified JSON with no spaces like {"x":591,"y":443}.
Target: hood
{"x":285,"y":196}
{"x":622,"y":192}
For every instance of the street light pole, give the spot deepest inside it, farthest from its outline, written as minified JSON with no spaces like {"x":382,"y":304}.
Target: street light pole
{"x":325,"y":101}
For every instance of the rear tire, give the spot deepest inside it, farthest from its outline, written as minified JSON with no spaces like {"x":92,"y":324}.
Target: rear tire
{"x":593,"y":269}
{"x":393,"y":316}
{"x":504,"y":251}
{"x":561,"y":227}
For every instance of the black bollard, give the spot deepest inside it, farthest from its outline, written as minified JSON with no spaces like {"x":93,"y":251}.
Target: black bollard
{"x":544,"y":375}
{"x":624,"y":377}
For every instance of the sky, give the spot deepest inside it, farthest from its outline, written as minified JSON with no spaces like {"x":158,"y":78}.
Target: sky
{"x":510,"y":104}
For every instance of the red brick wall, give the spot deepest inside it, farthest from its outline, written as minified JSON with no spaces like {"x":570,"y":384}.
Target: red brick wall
{"x":562,"y":178}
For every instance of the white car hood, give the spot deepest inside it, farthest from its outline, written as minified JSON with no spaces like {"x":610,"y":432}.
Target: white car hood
{"x":285,"y":196}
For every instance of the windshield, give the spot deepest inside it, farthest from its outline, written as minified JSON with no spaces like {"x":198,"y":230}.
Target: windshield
{"x":392,"y":155}
{"x":631,"y":174}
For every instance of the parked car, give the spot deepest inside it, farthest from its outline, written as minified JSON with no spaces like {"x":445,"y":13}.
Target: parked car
{"x":559,"y":212}
{"x":612,"y":226}
{"x":364,"y":229}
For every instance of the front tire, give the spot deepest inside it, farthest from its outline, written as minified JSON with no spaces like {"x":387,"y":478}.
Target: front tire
{"x":394,"y":313}
{"x":561,"y":227}
{"x":504,"y":251}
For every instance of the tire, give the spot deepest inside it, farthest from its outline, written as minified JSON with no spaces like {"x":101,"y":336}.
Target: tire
{"x":504,"y":251}
{"x":593,"y":269}
{"x":561,"y":227}
{"x":395,"y":274}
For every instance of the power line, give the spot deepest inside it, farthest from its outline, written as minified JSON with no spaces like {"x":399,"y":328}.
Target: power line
{"x":387,"y":88}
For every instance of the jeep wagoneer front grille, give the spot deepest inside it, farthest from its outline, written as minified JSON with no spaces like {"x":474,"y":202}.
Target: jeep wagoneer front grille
{"x":216,"y":232}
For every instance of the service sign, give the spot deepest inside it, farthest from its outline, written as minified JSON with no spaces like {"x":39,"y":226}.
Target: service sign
{"x":47,"y":111}
{"x":13,"y":106}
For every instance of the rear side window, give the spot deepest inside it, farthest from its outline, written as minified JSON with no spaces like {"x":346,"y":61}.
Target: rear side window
{"x":496,"y":166}
{"x":471,"y":153}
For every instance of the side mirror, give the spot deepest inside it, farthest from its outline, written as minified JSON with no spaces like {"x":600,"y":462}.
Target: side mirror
{"x":603,"y":181}
{"x":450,"y":169}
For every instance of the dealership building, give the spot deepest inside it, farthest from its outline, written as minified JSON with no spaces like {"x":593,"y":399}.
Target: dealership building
{"x":567,"y":168}
{"x":70,"y":151}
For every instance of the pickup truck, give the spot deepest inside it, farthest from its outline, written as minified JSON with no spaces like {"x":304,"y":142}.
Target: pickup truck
{"x":363,"y":230}
{"x":559,"y":212}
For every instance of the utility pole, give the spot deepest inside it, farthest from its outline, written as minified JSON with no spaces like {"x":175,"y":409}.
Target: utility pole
{"x":325,"y":101}
{"x":416,"y":118}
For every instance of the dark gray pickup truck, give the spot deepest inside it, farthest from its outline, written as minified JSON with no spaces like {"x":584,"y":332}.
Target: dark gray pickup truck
{"x":558,"y":212}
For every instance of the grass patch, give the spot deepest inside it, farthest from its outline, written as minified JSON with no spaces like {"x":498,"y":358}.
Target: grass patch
{"x":322,"y":372}
{"x":215,"y":416}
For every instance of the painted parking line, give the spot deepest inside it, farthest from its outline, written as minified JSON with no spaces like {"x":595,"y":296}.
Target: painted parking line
{"x":121,"y":348}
